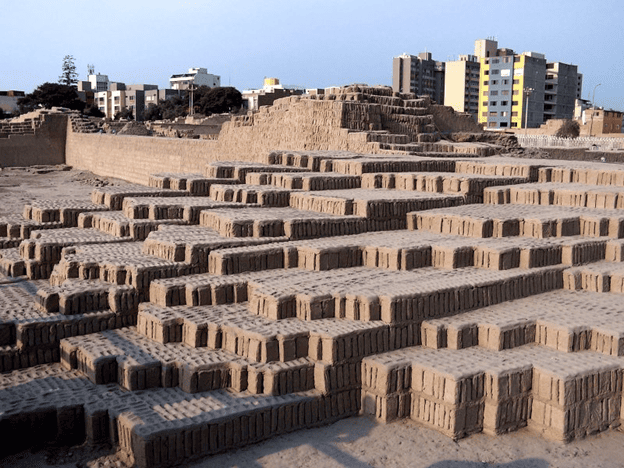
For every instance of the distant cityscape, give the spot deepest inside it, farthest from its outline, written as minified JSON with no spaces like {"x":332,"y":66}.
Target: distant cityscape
{"x":499,"y":88}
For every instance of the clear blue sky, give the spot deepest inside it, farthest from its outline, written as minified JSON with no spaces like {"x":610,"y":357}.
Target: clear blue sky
{"x":311,"y":43}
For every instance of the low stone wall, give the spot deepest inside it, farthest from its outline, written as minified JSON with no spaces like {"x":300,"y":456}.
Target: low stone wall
{"x":134,"y":158}
{"x":45,"y":146}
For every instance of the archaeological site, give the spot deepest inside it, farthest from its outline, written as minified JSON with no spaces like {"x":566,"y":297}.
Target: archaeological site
{"x":358,"y":252}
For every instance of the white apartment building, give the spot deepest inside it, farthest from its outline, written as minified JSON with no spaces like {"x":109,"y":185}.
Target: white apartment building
{"x":195,"y":76}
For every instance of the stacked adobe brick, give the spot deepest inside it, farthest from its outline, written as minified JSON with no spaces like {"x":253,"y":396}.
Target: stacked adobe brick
{"x":213,"y":310}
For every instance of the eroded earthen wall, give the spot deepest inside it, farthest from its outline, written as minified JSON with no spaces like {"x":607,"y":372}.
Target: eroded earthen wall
{"x":45,"y":146}
{"x":134,"y":158}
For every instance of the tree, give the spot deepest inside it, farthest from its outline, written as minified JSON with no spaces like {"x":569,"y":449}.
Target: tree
{"x":93,"y":111}
{"x":69,"y":77}
{"x":167,"y":109}
{"x":50,"y":95}
{"x":174,"y":107}
{"x":569,"y":129}
{"x":152,"y":112}
{"x":217,"y":100}
{"x":125,"y":113}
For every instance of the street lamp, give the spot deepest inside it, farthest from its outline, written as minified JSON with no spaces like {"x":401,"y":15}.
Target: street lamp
{"x":527,"y":93}
{"x":591,"y":122}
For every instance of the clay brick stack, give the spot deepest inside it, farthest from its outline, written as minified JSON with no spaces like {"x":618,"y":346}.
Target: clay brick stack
{"x":211,"y":311}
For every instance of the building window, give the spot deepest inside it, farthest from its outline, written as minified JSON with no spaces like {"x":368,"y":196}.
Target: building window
{"x":494,"y":93}
{"x":486,"y":72}
{"x":494,"y":82}
{"x":485,"y":103}
{"x":505,"y":92}
{"x":516,"y":58}
{"x":484,"y":114}
{"x":491,"y":124}
{"x":515,"y":92}
{"x":514,"y":124}
{"x":495,"y":60}
{"x":506,"y":59}
{"x":493,"y":114}
{"x":495,"y":72}
{"x":485,"y":83}
{"x":493,"y":103}
{"x":485,"y":93}
{"x":131,"y":98}
{"x":504,"y":114}
{"x":514,"y":103}
{"x":503,"y":124}
{"x":505,"y":82}
{"x":516,"y":82}
{"x":514,"y":114}
{"x":504,"y":103}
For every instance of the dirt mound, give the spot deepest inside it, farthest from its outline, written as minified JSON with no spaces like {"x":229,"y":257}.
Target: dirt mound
{"x":134,"y":128}
{"x":502,"y":139}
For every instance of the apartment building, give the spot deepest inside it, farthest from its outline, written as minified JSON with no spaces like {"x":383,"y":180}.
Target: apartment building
{"x":461,"y":84}
{"x":512,"y":90}
{"x":154,"y":96}
{"x":596,"y":121}
{"x":253,"y":99}
{"x":419,"y":74}
{"x":523,"y":90}
{"x":195,"y":77}
{"x":121,"y":96}
{"x":562,"y":88}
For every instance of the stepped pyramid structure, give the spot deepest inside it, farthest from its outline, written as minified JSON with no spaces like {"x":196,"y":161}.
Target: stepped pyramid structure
{"x":362,"y":119}
{"x":207,"y":311}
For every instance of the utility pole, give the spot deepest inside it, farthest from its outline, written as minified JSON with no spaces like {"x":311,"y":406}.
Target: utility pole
{"x":191,"y":89}
{"x":527,"y":93}
{"x":591,"y":122}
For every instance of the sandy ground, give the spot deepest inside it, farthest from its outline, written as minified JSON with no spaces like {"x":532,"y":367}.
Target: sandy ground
{"x":355,"y":442}
{"x":21,"y":185}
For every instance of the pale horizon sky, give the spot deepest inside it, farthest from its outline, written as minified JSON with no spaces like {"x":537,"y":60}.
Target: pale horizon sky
{"x":309,"y":43}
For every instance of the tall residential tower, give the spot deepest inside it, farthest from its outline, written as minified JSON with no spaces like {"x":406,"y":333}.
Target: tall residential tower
{"x":461,"y":84}
{"x":418,"y":74}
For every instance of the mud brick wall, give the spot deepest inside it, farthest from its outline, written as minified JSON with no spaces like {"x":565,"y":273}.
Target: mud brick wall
{"x":45,"y":146}
{"x":134,"y":158}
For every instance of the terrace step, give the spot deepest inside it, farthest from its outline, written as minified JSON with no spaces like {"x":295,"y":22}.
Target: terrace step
{"x":195,"y":184}
{"x":519,"y":220}
{"x":112,"y":196}
{"x":466,"y":391}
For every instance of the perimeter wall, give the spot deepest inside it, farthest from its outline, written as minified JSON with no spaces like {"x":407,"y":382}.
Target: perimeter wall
{"x":134,"y":158}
